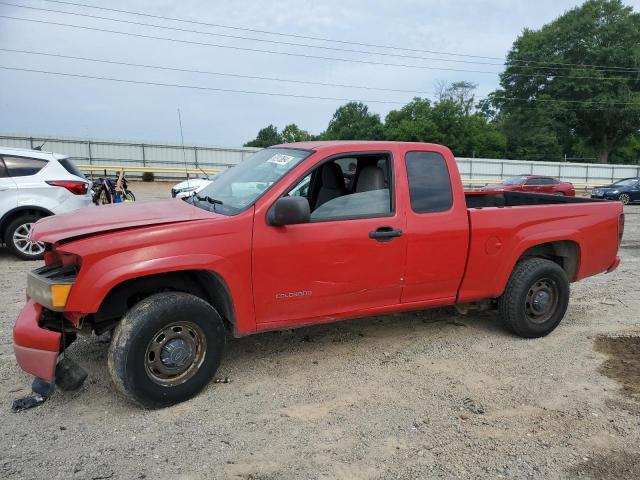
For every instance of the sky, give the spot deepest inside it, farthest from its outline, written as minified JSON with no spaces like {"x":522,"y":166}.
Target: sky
{"x":43,"y":104}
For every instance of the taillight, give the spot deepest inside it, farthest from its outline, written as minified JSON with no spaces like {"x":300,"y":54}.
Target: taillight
{"x":620,"y":228}
{"x":75,"y":187}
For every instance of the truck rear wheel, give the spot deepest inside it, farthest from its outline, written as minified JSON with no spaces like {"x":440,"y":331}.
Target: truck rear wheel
{"x":536,"y":298}
{"x":166,"y":349}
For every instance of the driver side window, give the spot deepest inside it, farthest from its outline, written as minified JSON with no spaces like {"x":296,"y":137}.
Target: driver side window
{"x":348,"y":187}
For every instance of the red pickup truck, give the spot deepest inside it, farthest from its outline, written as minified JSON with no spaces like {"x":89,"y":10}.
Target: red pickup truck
{"x":296,"y":235}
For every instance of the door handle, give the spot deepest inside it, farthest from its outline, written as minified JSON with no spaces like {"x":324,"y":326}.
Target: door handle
{"x":385,"y":234}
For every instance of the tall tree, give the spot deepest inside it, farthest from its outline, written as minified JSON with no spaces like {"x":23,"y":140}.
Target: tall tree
{"x":579,"y":76}
{"x":353,"y":121}
{"x":292,"y":133}
{"x":266,"y":137}
{"x":451,"y":121}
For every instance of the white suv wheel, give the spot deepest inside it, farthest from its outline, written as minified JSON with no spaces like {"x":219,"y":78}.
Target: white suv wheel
{"x":18,"y":241}
{"x":23,"y":243}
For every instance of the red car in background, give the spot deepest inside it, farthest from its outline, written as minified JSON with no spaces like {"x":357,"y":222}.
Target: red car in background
{"x":534,"y":184}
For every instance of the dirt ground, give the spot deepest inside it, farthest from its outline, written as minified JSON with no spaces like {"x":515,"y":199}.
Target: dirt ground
{"x":427,"y":394}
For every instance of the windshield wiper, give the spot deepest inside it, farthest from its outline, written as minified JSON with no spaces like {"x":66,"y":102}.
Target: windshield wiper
{"x":207,"y":198}
{"x":212,"y":201}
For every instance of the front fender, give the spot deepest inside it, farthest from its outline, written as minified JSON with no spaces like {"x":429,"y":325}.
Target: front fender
{"x":94,"y":283}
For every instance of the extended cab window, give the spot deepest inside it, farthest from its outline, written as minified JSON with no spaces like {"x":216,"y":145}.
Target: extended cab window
{"x":22,"y":166}
{"x":348,"y":187}
{"x":3,"y":171}
{"x":429,"y":182}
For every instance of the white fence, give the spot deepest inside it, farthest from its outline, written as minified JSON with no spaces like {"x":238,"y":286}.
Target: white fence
{"x":578,"y":173}
{"x":85,"y":151}
{"x":166,"y":155}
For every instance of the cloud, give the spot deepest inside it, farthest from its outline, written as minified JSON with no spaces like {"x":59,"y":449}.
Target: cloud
{"x":38,"y":104}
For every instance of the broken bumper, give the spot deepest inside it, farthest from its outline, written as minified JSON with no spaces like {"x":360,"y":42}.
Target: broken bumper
{"x":36,"y":348}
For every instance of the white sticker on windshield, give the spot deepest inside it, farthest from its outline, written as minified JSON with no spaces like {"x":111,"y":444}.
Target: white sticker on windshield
{"x":280,"y":159}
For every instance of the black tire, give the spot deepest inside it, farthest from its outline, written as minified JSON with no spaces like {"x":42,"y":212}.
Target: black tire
{"x":139,"y":332}
{"x":535,"y":299}
{"x":625,"y":198}
{"x":128,"y":194}
{"x":23,"y":249}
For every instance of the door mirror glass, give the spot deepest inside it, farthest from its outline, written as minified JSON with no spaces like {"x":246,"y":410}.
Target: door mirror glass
{"x":289,"y":211}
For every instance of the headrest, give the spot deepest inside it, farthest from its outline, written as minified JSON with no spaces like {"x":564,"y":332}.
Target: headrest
{"x":370,"y":178}
{"x":332,"y":176}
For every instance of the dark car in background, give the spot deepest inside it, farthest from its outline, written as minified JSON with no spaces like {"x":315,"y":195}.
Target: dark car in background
{"x":534,"y":184}
{"x":626,"y":190}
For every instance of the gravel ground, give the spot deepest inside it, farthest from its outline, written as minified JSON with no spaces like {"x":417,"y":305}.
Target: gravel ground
{"x":418,"y":395}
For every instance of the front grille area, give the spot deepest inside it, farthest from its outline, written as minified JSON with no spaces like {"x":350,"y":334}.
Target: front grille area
{"x":56,"y":273}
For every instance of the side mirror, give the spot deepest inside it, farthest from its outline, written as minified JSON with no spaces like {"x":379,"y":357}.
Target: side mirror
{"x":289,"y":211}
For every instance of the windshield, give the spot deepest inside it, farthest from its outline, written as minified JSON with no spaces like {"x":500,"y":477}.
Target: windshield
{"x":514,"y":180}
{"x":243,"y":184}
{"x":627,"y":182}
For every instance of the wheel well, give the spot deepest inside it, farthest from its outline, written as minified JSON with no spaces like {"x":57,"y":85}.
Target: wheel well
{"x":19,"y":212}
{"x":204,"y":284}
{"x":565,"y":253}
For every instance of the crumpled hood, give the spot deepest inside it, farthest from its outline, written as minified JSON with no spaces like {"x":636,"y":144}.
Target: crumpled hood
{"x":105,"y":218}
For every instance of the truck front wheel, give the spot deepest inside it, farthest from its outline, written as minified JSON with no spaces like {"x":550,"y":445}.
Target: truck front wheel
{"x":166,"y":349}
{"x":536,"y":298}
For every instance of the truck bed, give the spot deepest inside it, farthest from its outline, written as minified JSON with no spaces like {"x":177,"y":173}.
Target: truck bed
{"x":519,"y":199}
{"x":504,"y":225}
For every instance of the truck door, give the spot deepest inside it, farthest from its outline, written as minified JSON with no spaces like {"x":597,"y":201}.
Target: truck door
{"x":349,"y":257}
{"x":437,"y":229}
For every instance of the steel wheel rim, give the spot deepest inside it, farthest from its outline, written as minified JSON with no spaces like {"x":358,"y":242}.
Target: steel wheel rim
{"x":624,"y":198}
{"x":175,"y":353}
{"x":23,"y":243}
{"x":541,"y":301}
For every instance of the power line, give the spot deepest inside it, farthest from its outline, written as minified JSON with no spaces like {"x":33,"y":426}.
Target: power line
{"x":237,"y":37}
{"x":275,"y":79}
{"x":196,"y":87}
{"x":254,"y":92}
{"x":301,"y":55}
{"x":304,"y":45}
{"x":208,"y":72}
{"x":555,"y":100}
{"x":345,"y":42}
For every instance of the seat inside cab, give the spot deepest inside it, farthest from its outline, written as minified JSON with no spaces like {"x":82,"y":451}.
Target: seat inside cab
{"x":348,"y":187}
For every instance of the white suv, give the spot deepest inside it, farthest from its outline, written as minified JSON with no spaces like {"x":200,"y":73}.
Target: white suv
{"x":35,"y":184}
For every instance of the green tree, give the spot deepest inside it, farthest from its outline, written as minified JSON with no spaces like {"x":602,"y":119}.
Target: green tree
{"x":412,"y":123}
{"x":353,"y":121}
{"x":451,"y":121}
{"x":266,"y":137}
{"x":292,"y":133}
{"x":575,"y":79}
{"x":629,"y":151}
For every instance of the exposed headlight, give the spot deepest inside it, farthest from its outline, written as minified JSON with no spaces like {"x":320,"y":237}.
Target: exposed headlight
{"x":615,"y":191}
{"x":50,"y":285}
